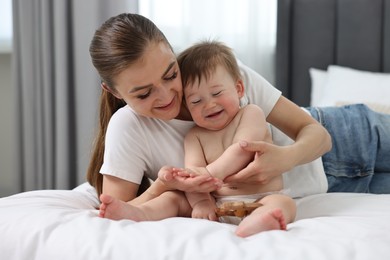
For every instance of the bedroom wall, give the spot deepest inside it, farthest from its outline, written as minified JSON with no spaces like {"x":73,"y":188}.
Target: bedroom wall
{"x":8,"y":179}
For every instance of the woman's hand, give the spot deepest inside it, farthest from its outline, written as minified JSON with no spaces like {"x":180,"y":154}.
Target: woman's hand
{"x":180,"y":179}
{"x":270,"y":161}
{"x":311,"y":140}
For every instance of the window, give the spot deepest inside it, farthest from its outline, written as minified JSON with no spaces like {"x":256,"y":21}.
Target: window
{"x":6,"y":26}
{"x":247,"y":26}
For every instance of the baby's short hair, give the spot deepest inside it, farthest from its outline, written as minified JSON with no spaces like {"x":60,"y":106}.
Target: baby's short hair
{"x":200,"y":60}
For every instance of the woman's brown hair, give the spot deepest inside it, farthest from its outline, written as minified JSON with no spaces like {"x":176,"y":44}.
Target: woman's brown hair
{"x":117,"y":44}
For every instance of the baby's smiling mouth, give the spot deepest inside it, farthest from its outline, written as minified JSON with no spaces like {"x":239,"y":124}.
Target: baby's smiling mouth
{"x":214,"y":114}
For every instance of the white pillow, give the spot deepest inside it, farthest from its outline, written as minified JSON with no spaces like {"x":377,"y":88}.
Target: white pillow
{"x":318,"y":81}
{"x":355,"y":86}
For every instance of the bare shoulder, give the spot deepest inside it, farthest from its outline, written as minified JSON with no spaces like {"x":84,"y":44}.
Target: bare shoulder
{"x":252,"y":109}
{"x":194,"y":132}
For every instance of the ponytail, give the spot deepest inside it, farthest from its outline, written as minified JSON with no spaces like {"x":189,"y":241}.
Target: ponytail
{"x":109,"y":104}
{"x":119,"y":43}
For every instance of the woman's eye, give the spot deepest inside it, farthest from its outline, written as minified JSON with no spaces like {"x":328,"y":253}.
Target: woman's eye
{"x":172,"y":77}
{"x":144,"y":96}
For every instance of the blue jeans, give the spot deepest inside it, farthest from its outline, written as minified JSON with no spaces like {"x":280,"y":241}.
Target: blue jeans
{"x":360,"y":157}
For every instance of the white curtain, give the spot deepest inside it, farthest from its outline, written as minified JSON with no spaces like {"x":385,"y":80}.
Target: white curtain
{"x":6,"y":26}
{"x":247,"y":26}
{"x":57,"y":88}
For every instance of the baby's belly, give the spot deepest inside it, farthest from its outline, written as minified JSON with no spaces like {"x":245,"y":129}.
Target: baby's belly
{"x":275,"y":184}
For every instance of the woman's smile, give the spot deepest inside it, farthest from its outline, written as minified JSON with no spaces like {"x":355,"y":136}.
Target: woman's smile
{"x":168,"y":106}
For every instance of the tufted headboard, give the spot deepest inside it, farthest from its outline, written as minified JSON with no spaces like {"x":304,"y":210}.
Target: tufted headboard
{"x":316,"y":33}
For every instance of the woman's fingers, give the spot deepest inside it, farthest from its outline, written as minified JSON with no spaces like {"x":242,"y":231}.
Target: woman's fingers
{"x":254,"y":172}
{"x":249,"y":174}
{"x":202,"y":183}
{"x":197,"y":183}
{"x":259,"y":146}
{"x":209,"y":186}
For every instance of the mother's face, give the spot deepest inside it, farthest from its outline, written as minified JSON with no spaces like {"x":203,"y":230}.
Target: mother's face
{"x":152,"y":86}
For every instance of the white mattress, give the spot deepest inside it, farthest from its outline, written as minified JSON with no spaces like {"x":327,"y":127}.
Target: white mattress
{"x":58,"y":224}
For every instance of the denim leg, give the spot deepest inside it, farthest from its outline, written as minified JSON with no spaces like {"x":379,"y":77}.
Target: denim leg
{"x":360,"y":157}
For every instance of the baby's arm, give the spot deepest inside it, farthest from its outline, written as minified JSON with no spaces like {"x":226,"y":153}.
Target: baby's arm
{"x":252,"y":127}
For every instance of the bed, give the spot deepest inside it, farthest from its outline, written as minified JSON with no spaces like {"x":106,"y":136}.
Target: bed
{"x":323,"y":45}
{"x":60,"y":224}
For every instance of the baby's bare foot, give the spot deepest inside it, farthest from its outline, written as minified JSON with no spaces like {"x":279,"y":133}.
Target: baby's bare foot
{"x":261,"y":221}
{"x":115,"y":209}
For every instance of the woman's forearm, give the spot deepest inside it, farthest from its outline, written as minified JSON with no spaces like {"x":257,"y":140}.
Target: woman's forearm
{"x":312,"y":142}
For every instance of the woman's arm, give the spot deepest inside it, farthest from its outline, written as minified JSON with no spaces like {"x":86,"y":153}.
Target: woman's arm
{"x":311,"y":141}
{"x":127,"y":191}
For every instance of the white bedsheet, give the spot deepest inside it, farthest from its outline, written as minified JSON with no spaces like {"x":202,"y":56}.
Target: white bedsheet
{"x":58,"y":224}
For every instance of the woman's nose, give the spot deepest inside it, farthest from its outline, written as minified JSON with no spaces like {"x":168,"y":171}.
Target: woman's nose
{"x":163,"y":90}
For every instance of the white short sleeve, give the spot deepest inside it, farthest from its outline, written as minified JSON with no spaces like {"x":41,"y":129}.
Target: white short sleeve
{"x":125,"y":151}
{"x":258,"y":90}
{"x":304,"y":179}
{"x":137,"y":145}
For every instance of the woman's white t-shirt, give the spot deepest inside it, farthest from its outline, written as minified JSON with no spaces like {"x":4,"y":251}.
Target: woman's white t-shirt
{"x":137,"y":145}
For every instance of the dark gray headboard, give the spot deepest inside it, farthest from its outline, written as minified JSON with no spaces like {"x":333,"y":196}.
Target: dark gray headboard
{"x":316,"y":33}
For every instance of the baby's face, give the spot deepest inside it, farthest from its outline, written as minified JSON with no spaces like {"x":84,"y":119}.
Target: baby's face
{"x":214,"y":102}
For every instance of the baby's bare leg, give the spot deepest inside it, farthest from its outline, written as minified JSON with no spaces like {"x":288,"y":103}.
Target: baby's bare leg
{"x":168,"y":204}
{"x":277,"y":211}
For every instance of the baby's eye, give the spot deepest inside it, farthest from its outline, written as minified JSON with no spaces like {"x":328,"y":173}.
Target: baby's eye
{"x":217,"y":93}
{"x":172,"y":77}
{"x":195,"y":101}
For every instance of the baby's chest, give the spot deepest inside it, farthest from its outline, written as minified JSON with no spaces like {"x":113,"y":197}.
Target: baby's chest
{"x":216,"y":143}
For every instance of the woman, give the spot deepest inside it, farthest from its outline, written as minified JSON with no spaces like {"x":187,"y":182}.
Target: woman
{"x":143,"y":121}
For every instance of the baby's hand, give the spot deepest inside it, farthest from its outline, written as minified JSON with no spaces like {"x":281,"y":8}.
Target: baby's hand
{"x":181,"y":179}
{"x":187,"y":173}
{"x":168,"y":173}
{"x":195,"y":172}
